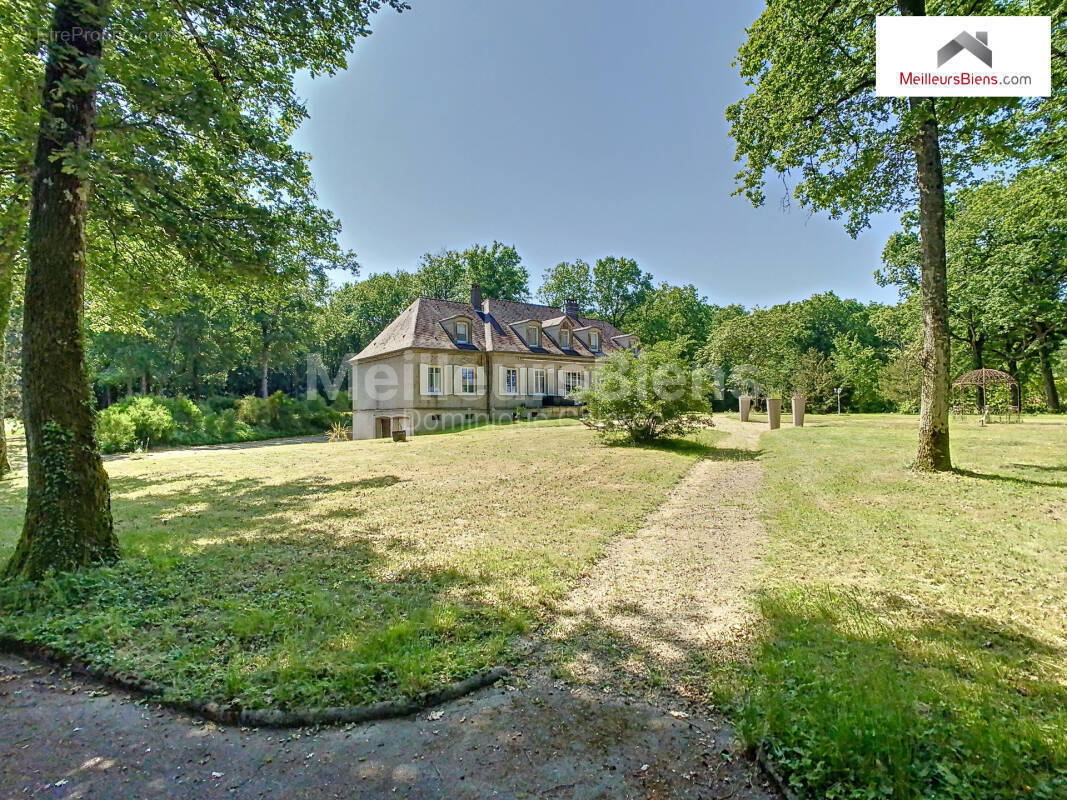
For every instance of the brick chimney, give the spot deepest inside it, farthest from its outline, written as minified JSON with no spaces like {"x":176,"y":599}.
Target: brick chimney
{"x":476,"y":296}
{"x":570,"y":307}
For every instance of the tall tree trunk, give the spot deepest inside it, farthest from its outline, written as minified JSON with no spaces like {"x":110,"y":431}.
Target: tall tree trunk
{"x":264,"y":366}
{"x":933,"y":453}
{"x":1048,"y":380}
{"x":6,"y":285}
{"x":68,"y":505}
{"x":144,"y":382}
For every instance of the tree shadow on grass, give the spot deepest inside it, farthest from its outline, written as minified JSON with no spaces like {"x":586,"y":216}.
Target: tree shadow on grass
{"x":690,"y":447}
{"x":992,"y":476}
{"x":849,"y":689}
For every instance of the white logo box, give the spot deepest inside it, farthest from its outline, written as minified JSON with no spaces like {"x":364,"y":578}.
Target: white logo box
{"x":1019,"y":50}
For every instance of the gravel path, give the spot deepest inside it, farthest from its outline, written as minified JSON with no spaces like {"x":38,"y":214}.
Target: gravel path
{"x":679,"y":588}
{"x":673,"y":591}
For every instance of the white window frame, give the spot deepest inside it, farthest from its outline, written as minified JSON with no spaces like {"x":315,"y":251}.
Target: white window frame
{"x":435,"y":385}
{"x":463,"y":371}
{"x":571,"y":380}
{"x":465,"y":337}
{"x":533,"y":336}
{"x":594,"y":340}
{"x":511,"y":380}
{"x":540,"y":382}
{"x":564,"y":338}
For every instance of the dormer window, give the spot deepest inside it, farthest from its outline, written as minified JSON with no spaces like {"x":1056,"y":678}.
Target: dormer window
{"x":594,"y":340}
{"x":463,"y":332}
{"x":533,"y":336}
{"x":564,"y":338}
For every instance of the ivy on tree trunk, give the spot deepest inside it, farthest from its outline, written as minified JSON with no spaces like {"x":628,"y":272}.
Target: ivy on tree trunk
{"x":68,"y":507}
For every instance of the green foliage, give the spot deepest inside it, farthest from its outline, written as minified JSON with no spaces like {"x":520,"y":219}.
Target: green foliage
{"x":910,"y":644}
{"x":568,"y":281}
{"x":498,"y":268}
{"x":115,"y":431}
{"x":812,"y":111}
{"x":668,"y":312}
{"x":280,"y":578}
{"x":619,"y":287}
{"x":151,"y":418}
{"x":647,"y":395}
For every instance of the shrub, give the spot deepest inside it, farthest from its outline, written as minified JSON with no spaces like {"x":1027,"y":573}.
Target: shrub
{"x":257,"y":411}
{"x":647,"y":395}
{"x":187,"y":415}
{"x":343,"y":402}
{"x":226,"y":427}
{"x":152,"y":420}
{"x":115,"y":431}
{"x":220,"y":402}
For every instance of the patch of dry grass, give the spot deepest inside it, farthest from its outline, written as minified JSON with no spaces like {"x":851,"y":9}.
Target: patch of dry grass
{"x":321,"y":574}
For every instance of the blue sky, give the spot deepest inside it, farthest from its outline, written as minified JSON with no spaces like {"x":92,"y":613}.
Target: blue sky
{"x":571,"y":129}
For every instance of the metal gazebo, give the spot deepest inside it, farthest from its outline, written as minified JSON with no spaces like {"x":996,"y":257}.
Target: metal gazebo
{"x":983,"y":379}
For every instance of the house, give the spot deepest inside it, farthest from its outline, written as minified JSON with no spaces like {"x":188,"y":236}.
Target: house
{"x":443,"y":364}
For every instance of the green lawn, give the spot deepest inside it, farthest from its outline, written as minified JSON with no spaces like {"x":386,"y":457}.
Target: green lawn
{"x":914,"y":641}
{"x":326,"y":574}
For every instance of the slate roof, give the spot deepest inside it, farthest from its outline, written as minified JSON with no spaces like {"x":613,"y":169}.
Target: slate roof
{"x":419,"y":325}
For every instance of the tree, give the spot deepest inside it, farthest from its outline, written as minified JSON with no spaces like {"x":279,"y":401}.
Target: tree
{"x":647,"y":395}
{"x":68,"y":507}
{"x":812,"y":110}
{"x":1007,"y":270}
{"x":619,"y":286}
{"x":191,"y":176}
{"x":672,"y":312}
{"x":497,"y":268}
{"x":568,"y":281}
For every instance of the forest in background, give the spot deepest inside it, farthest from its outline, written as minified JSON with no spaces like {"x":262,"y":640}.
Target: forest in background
{"x":223,"y":343}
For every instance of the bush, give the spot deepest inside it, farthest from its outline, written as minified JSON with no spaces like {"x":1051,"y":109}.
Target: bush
{"x":151,"y":419}
{"x":115,"y":431}
{"x":343,"y":402}
{"x":220,"y":403}
{"x":178,"y":420}
{"x":257,"y":411}
{"x":187,"y":415}
{"x":647,"y":395}
{"x":226,"y":427}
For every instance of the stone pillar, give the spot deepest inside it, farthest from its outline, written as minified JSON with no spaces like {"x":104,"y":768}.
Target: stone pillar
{"x":774,"y":413}
{"x":744,"y":405}
{"x":799,"y":404}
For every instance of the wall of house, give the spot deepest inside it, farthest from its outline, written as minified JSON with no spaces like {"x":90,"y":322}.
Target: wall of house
{"x":397,"y":387}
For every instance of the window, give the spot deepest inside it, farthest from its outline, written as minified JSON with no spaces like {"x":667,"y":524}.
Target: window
{"x":571,"y":381}
{"x":533,"y":336}
{"x":463,"y":332}
{"x":540,"y":385}
{"x":594,"y":340}
{"x":511,"y":381}
{"x":466,"y":380}
{"x":564,"y":338}
{"x":433,"y":380}
{"x":468,"y":418}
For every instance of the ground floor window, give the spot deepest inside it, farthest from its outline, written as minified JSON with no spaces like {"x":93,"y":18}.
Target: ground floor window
{"x":434,"y":384}
{"x":539,"y":384}
{"x":466,"y":380}
{"x":571,"y":381}
{"x":511,"y":381}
